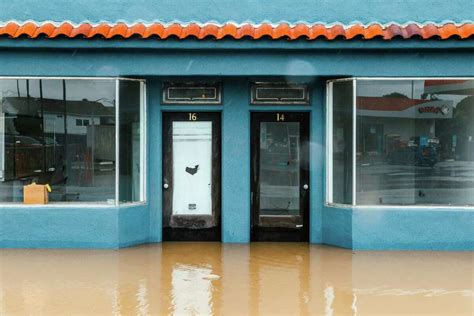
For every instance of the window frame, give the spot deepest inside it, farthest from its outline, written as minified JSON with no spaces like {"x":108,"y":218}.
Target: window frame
{"x":329,"y":146}
{"x":143,"y":145}
{"x":216,"y":85}
{"x":254,"y":86}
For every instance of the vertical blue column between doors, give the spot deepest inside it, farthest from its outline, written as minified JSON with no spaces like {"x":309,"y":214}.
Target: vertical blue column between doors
{"x":317,"y":160}
{"x":236,"y":163}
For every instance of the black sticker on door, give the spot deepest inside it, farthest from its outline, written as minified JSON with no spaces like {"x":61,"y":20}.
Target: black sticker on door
{"x":192,"y":171}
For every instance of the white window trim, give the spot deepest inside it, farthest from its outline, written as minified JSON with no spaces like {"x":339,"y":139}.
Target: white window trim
{"x":167,"y":85}
{"x":143,"y":144}
{"x":329,"y":202}
{"x":354,"y":142}
{"x":329,"y":142}
{"x":117,"y":143}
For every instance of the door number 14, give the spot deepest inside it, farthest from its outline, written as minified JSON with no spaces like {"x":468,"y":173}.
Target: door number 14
{"x":280,"y":117}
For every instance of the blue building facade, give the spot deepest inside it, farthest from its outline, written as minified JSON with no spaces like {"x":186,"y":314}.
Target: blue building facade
{"x":372,"y":199}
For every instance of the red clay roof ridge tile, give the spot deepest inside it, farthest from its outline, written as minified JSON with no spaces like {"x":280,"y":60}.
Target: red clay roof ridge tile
{"x":281,"y":30}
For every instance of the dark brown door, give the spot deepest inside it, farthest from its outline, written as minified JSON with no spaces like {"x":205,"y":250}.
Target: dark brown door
{"x":280,"y":176}
{"x":192,"y":176}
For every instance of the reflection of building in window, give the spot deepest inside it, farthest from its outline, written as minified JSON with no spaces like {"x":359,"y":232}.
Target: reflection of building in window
{"x":279,"y":168}
{"x":82,"y":122}
{"x":63,"y":132}
{"x":414,"y":143}
{"x":386,"y":124}
{"x":69,"y":144}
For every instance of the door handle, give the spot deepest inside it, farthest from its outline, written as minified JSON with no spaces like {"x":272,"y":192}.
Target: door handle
{"x":166,"y":186}
{"x":305,"y":186}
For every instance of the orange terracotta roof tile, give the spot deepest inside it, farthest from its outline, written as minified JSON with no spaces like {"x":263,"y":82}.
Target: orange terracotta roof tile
{"x":374,"y":30}
{"x":153,"y":30}
{"x":282,"y":30}
{"x":62,"y":29}
{"x":227,"y":30}
{"x":254,"y":31}
{"x":209,"y":30}
{"x":81,"y":30}
{"x":466,"y":30}
{"x":47,"y":29}
{"x":316,"y":31}
{"x":137,"y":29}
{"x":119,"y":29}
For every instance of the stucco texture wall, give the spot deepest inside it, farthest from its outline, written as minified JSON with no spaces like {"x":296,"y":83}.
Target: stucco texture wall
{"x":311,"y":11}
{"x":236,"y":62}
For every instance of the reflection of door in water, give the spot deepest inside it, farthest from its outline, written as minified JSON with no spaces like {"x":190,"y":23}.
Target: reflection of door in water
{"x":280,"y":176}
{"x":191,"y":176}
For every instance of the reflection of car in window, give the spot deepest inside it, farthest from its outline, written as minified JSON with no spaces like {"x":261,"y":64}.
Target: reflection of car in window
{"x":425,"y":154}
{"x":26,"y":140}
{"x":26,"y":157}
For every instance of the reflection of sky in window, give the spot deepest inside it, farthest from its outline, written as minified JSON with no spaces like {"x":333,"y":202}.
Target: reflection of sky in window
{"x":411,"y":88}
{"x":383,"y":87}
{"x":102,"y":91}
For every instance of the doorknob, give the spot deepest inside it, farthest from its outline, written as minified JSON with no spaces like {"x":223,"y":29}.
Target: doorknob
{"x":305,"y":187}
{"x":165,"y":186}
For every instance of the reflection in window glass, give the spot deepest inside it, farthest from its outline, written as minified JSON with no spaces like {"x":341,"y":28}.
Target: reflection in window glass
{"x":40,"y":140}
{"x":130,"y":136}
{"x":415,"y":142}
{"x":342,"y":142}
{"x":279,"y":168}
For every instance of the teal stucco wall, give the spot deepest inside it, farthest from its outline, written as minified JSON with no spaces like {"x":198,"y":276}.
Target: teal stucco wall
{"x":236,"y":63}
{"x":329,"y":11}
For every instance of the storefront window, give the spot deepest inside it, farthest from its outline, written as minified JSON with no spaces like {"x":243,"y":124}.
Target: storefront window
{"x":131,"y":136}
{"x":62,"y":133}
{"x":341,"y":141}
{"x":414,"y":142}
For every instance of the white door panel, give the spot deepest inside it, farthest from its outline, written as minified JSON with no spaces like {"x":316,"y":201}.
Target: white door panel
{"x":192,"y":168}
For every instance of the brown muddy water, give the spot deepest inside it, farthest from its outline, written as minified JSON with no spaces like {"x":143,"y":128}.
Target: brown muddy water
{"x":256,"y":279}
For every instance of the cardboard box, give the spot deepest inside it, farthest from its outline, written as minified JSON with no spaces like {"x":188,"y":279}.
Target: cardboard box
{"x":35,"y":194}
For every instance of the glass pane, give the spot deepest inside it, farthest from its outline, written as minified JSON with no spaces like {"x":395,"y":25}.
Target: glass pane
{"x":22,"y":147}
{"x":280,"y":93}
{"x":279,"y":168}
{"x":192,"y":168}
{"x":191,"y":93}
{"x":41,"y":141}
{"x":131,"y":182}
{"x":342,"y":142}
{"x":415,"y":142}
{"x":283,"y":93}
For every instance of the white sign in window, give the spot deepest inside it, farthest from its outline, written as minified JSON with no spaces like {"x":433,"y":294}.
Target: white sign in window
{"x":192,"y":168}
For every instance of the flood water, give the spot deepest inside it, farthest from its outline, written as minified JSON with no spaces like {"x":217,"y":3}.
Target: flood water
{"x":213,"y":278}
